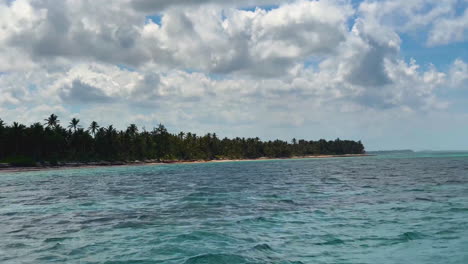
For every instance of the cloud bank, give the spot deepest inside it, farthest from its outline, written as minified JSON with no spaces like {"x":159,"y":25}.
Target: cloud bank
{"x":268,"y":68}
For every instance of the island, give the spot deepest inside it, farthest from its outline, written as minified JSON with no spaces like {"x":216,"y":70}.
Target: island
{"x":50,"y":144}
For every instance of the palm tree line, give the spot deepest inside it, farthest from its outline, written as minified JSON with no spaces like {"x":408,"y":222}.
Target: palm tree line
{"x":51,"y":142}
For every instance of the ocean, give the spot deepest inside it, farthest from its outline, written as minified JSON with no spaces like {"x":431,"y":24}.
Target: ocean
{"x":409,"y":208}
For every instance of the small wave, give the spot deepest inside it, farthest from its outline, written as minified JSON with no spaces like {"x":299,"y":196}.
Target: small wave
{"x":459,"y":210}
{"x":319,"y":212}
{"x":408,"y":236}
{"x":335,"y":241}
{"x":417,"y":190}
{"x":87,"y":204}
{"x":57,"y":246}
{"x":259,"y":219}
{"x":16,"y":231}
{"x":196,"y":196}
{"x":446,"y":232}
{"x":203,"y":235}
{"x":10,"y":213}
{"x":97,"y":220}
{"x":84,"y":250}
{"x":402,"y":209}
{"x":288,"y":201}
{"x":51,"y":258}
{"x":330,"y":240}
{"x":217,"y":259}
{"x":130,"y":225}
{"x":62,"y":222}
{"x":424,"y":199}
{"x":75,"y":196}
{"x":142,"y":261}
{"x":16,"y":245}
{"x":263,"y":247}
{"x":453,"y":182}
{"x":55,"y":239}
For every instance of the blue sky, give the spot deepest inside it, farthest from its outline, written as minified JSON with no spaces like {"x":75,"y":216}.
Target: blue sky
{"x":393,"y":74}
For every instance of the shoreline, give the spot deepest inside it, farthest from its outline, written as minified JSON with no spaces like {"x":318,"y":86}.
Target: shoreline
{"x":104,"y":164}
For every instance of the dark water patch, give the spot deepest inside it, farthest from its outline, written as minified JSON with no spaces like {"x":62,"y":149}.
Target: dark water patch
{"x":16,"y":245}
{"x":335,"y":241}
{"x":453,"y":181}
{"x":197,"y":196}
{"x":88,"y":204}
{"x":218,"y":259}
{"x":76,"y":196}
{"x":16,"y":231}
{"x":85,"y":250}
{"x":403,"y":209}
{"x":262,"y":247}
{"x":319,"y":212}
{"x":330,"y":240}
{"x":56,"y":239}
{"x":446,"y":238}
{"x":204,"y":236}
{"x":132,"y":261}
{"x":408,"y":236}
{"x":459,"y":210}
{"x":132,"y":224}
{"x":287,"y":201}
{"x":97,"y":220}
{"x":259,"y":219}
{"x":188,"y":237}
{"x":51,"y":258}
{"x":57,"y":246}
{"x":424,"y":199}
{"x":447,"y":231}
{"x":10,"y":213}
{"x":62,"y":222}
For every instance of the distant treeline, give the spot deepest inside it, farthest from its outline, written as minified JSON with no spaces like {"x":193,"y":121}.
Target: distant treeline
{"x":52,"y":142}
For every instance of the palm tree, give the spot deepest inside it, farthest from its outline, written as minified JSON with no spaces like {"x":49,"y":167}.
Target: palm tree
{"x":93,"y":128}
{"x":2,"y":124}
{"x":17,"y":127}
{"x":132,"y":129}
{"x":181,"y":135}
{"x":52,"y":121}
{"x":18,"y":130}
{"x":74,"y":124}
{"x":110,"y":130}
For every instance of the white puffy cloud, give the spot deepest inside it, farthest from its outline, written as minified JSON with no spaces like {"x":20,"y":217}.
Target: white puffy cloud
{"x":49,"y":31}
{"x":209,"y":38}
{"x":440,"y":19}
{"x":459,"y":74}
{"x":256,"y":42}
{"x":449,"y":30}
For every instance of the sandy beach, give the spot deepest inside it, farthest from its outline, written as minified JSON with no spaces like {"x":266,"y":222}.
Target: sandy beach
{"x":81,"y":165}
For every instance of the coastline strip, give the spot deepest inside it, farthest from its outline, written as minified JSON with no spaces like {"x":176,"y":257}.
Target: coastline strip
{"x":75,"y":165}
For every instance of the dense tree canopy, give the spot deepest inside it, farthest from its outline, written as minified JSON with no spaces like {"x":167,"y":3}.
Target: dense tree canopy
{"x":52,"y":143}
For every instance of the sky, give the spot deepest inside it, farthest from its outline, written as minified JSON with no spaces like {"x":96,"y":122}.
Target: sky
{"x":393,"y":74}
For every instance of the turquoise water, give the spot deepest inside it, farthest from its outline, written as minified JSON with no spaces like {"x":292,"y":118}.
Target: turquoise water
{"x":384,"y":209}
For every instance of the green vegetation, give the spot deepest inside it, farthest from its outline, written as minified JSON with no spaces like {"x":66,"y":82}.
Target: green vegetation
{"x":24,"y":146}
